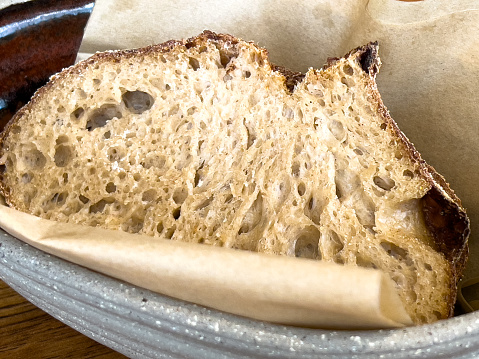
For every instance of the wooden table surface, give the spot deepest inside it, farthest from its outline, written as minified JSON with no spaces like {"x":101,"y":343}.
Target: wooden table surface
{"x":30,"y":333}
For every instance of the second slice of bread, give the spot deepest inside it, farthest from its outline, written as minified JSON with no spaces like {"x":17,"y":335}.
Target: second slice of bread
{"x":205,"y":141}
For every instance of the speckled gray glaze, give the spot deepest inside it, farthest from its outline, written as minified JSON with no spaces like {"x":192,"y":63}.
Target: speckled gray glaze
{"x":142,"y":324}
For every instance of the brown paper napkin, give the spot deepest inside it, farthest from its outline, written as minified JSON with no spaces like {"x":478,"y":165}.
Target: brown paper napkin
{"x":272,"y":288}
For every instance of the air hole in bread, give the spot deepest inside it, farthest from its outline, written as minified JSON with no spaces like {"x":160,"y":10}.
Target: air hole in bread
{"x":395,"y":251}
{"x":346,"y":182}
{"x":100,"y":117}
{"x":180,"y":195}
{"x":313,"y":210}
{"x":384,"y":182}
{"x":157,"y":82}
{"x":29,"y":195}
{"x":160,"y":227}
{"x":115,"y":154}
{"x":149,"y":195}
{"x":422,"y":318}
{"x":59,"y":198}
{"x":170,"y":232}
{"x":110,"y":187}
{"x":62,"y":139}
{"x":107,"y":135}
{"x":81,"y":94}
{"x":247,"y":74}
{"x":314,"y":90}
{"x":133,"y":225}
{"x":176,"y":213}
{"x":33,"y":158}
{"x":99,"y":206}
{"x":253,"y":99}
{"x":399,"y":278}
{"x":224,"y":58}
{"x":198,"y":178}
{"x":437,"y":314}
{"x":27,"y":178}
{"x":137,"y":102}
{"x":349,"y":82}
{"x":63,"y":155}
{"x":298,"y":147}
{"x":3,"y":167}
{"x":295,"y":169}
{"x":335,"y":242}
{"x":83,"y":199}
{"x":348,"y":70}
{"x":307,"y":243}
{"x":248,"y":188}
{"x":337,"y":129}
{"x":301,"y":188}
{"x":365,"y":211}
{"x":194,"y":63}
{"x":191,"y":110}
{"x":288,"y":113}
{"x":173,"y":110}
{"x":365,"y":263}
{"x":253,"y":216}
{"x":250,"y":135}
{"x":183,"y":162}
{"x":408,"y":173}
{"x":282,"y":190}
{"x":204,"y":204}
{"x":153,"y":160}
{"x":358,"y":152}
{"x":300,"y":114}
{"x":329,"y":112}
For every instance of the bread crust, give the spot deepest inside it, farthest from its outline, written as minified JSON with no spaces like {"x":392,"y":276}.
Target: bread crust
{"x":444,"y":215}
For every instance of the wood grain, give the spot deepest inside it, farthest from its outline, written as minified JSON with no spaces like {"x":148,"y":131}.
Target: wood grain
{"x":28,"y":332}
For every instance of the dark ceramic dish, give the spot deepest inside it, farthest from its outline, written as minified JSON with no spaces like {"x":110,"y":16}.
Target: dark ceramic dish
{"x":37,"y":39}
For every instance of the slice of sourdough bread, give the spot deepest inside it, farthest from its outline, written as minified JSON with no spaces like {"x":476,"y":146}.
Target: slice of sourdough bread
{"x":204,"y":140}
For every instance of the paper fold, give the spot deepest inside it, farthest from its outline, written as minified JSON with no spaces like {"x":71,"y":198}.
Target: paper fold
{"x":266,"y":287}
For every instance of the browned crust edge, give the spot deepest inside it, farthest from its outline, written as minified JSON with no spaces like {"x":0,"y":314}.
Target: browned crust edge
{"x":444,"y":215}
